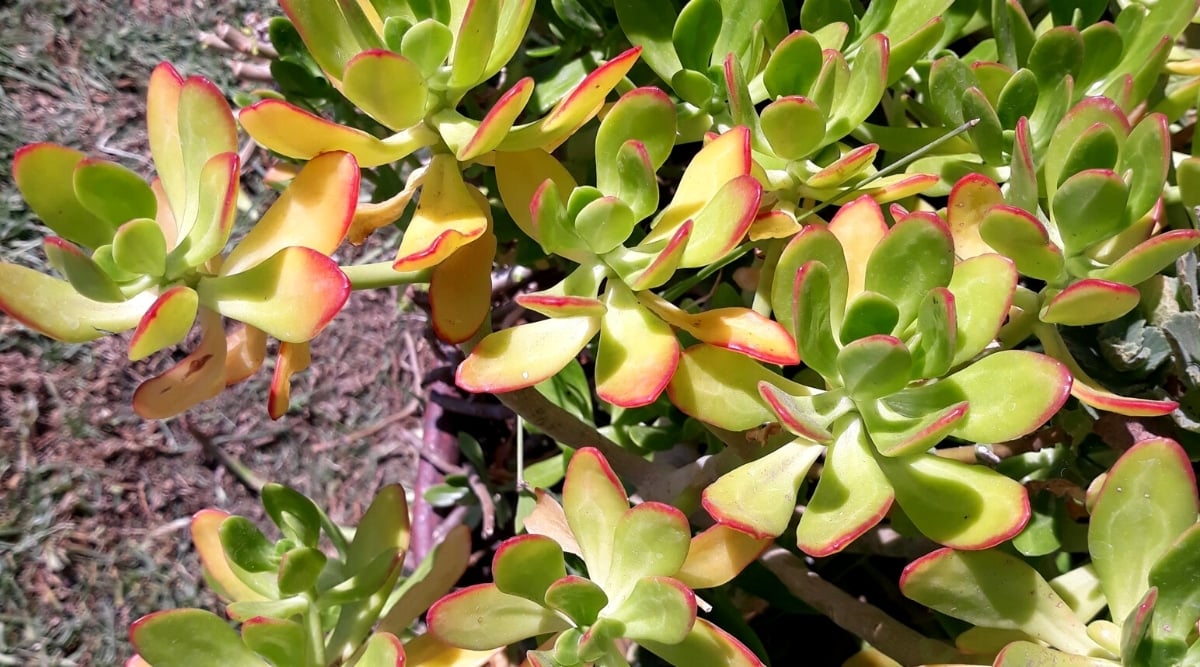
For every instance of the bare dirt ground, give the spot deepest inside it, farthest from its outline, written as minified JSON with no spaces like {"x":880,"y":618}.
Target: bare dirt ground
{"x":94,"y":501}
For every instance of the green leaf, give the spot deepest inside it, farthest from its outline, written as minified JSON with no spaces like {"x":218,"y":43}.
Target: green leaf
{"x":650,"y":540}
{"x":368,"y":585}
{"x":1164,"y":20}
{"x":995,"y":590}
{"x":1096,"y":148}
{"x":282,"y":642}
{"x":246,"y":546}
{"x":580,"y":599}
{"x":1149,"y":493}
{"x":868,"y":79}
{"x":874,"y":366}
{"x":1090,"y":301}
{"x":1022,"y":181}
{"x":895,"y":434}
{"x":957,"y":504}
{"x":1088,"y":208}
{"x":1018,"y":98}
{"x":1074,"y":123}
{"x":167,"y":322}
{"x":527,"y":565}
{"x":793,"y":126}
{"x":1057,"y":54}
{"x":1102,"y":47}
{"x":638,"y":184}
{"x":299,"y":569}
{"x":868,"y":314}
{"x":112,"y":192}
{"x":427,"y":44}
{"x":604,"y":224}
{"x":738,"y":29}
{"x":1146,"y":158}
{"x":297,"y":517}
{"x":988,"y":134}
{"x":1019,"y":236}
{"x":852,"y":495}
{"x":983,"y":287}
{"x":814,"y":242}
{"x":190,"y":638}
{"x":648,"y":24}
{"x":759,"y":496}
{"x":696,"y":32}
{"x":85,"y":275}
{"x":574,"y":14}
{"x":949,"y":78}
{"x":793,"y":65}
{"x":1175,"y":575}
{"x":916,"y":256}
{"x":907,"y":51}
{"x":482,"y":617}
{"x":382,"y":650}
{"x":644,"y":114}
{"x":659,"y":609}
{"x":817,"y":14}
{"x":44,"y":174}
{"x":569,"y":390}
{"x":330,"y":38}
{"x":473,"y":43}
{"x":594,"y":503}
{"x":388,"y":87}
{"x":705,"y":646}
{"x":812,"y":312}
{"x":140,"y":248}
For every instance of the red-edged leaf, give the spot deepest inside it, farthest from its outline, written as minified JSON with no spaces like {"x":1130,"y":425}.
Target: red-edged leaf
{"x":738,"y":329}
{"x":293,"y":358}
{"x":166,"y":323}
{"x":525,"y":355}
{"x":196,"y":378}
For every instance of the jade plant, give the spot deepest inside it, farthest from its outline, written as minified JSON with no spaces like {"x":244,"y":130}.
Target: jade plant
{"x":299,"y":605}
{"x":752,"y":267}
{"x":1147,"y":584}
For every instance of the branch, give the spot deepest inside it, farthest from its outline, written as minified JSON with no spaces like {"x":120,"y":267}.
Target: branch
{"x":864,"y":620}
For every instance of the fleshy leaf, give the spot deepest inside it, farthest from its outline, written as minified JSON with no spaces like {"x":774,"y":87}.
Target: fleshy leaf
{"x":293,"y":358}
{"x":527,"y":565}
{"x":291,"y":296}
{"x":520,"y":174}
{"x":793,"y":65}
{"x":793,"y":126}
{"x":382,"y":649}
{"x":448,"y":217}
{"x":874,"y":366}
{"x":44,"y":175}
{"x":1150,"y":257}
{"x":864,"y":88}
{"x":650,"y":540}
{"x":1088,"y":208}
{"x":957,"y":504}
{"x":993,"y":589}
{"x":315,"y":212}
{"x":813,"y":313}
{"x":937,"y":334}
{"x":1150,"y":492}
{"x":814,"y":242}
{"x":859,"y":227}
{"x":481,"y":617}
{"x":806,"y":416}
{"x":718,"y":554}
{"x":460,"y":290}
{"x":437,"y":573}
{"x":644,"y":114}
{"x":206,"y":233}
{"x":1018,"y":234}
{"x":54,"y":308}
{"x":900,"y":435}
{"x":852,"y":495}
{"x":498,"y":121}
{"x":196,"y":378}
{"x":738,"y":329}
{"x":217,"y":569}
{"x":112,"y":192}
{"x":1090,"y":301}
{"x":720,"y":387}
{"x":1091,"y":392}
{"x":719,"y":162}
{"x":473,"y":43}
{"x":281,"y":642}
{"x":525,"y":355}
{"x":189,"y":637}
{"x":246,"y":348}
{"x":638,"y":352}
{"x":1177,"y":607}
{"x":723,"y":221}
{"x":759,"y":496}
{"x":87,"y":277}
{"x":140,"y":248}
{"x":296,"y":133}
{"x":844,"y":168}
{"x":386,"y":86}
{"x":983,"y":289}
{"x":166,"y":323}
{"x":916,"y":256}
{"x":705,"y":646}
{"x":658,"y":609}
{"x":595,"y":503}
{"x":580,"y":599}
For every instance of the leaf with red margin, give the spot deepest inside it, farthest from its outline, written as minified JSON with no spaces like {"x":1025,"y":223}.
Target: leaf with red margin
{"x":291,"y":296}
{"x":644,"y":268}
{"x":329,"y":36}
{"x":206,"y":130}
{"x":864,"y":88}
{"x":520,"y":175}
{"x":645,"y":115}
{"x":913,"y":258}
{"x":1151,"y":256}
{"x":901,"y":186}
{"x":188,"y":637}
{"x":638,"y":352}
{"x":460,"y":290}
{"x":1146,"y":156}
{"x":720,"y":387}
{"x":382,"y":649}
{"x":1091,"y":392}
{"x":112,"y":192}
{"x":957,"y":504}
{"x":86,"y":276}
{"x":293,"y":358}
{"x":983,"y":289}
{"x":527,"y":565}
{"x":313,"y":212}
{"x":813,"y":311}
{"x":549,"y":519}
{"x":970,"y":200}
{"x":279,"y":641}
{"x":195,"y":379}
{"x":44,"y":175}
{"x":660,"y":609}
{"x":1022,"y":179}
{"x":369,"y":216}
{"x":52,"y":307}
{"x":995,"y":590}
{"x":447,"y":218}
{"x":1020,"y":236}
{"x":852,"y":495}
{"x":245,"y":350}
{"x":436,"y":574}
{"x":759,"y":496}
{"x":595,"y":504}
{"x":205,"y":234}
{"x":844,"y":168}
{"x":470,"y":139}
{"x":1088,"y":112}
{"x":427,"y":651}
{"x":859,"y":227}
{"x":793,"y":126}
{"x":481,"y":617}
{"x":1149,"y":492}
{"x":1088,"y":208}
{"x":936,"y":334}
{"x":162,"y":127}
{"x":296,"y":133}
{"x":525,"y":355}
{"x":719,"y":554}
{"x":217,"y":568}
{"x":814,"y":242}
{"x":575,"y":109}
{"x":387,"y":87}
{"x":552,"y":303}
{"x":166,"y":323}
{"x":807,"y":416}
{"x":773,"y":225}
{"x":163,"y":216}
{"x":722,"y":223}
{"x":705,"y":646}
{"x":720,"y":161}
{"x":738,"y":329}
{"x":1090,"y":301}
{"x":649,"y":540}
{"x":900,"y":435}
{"x":1025,"y":653}
{"x":1011,"y":393}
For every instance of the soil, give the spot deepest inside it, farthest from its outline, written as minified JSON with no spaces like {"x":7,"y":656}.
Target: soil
{"x":95,"y":501}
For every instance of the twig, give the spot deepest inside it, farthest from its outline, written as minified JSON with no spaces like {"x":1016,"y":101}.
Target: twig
{"x":368,"y":431}
{"x":864,"y":620}
{"x":244,"y":474}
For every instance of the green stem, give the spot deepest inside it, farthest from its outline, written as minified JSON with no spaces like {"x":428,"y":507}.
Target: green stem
{"x":316,"y":634}
{"x":381,"y":274}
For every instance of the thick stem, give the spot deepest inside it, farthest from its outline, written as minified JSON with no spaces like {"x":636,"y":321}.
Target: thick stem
{"x":437,"y":443}
{"x":381,"y":274}
{"x":864,"y":620}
